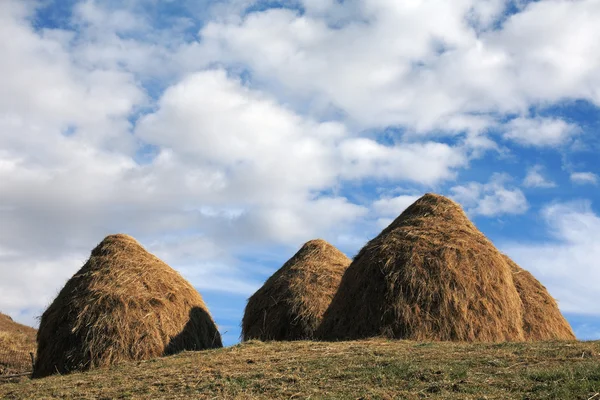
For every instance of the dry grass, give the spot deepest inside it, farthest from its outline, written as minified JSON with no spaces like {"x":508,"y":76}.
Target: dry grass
{"x":542,"y":319}
{"x":123,"y":304}
{"x":374,"y":369}
{"x":430,"y":275}
{"x":16,"y":343}
{"x":291,"y":303}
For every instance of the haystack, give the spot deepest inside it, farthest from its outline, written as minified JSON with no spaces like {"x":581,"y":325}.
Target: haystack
{"x":542,"y":320}
{"x":291,"y":303}
{"x":123,"y":304}
{"x":430,"y":275}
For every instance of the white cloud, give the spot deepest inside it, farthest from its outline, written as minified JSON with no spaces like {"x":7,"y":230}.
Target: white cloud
{"x":386,"y":209}
{"x":122,"y":36}
{"x":422,"y":67}
{"x":30,"y":282}
{"x":271,"y":153}
{"x":258,"y":147}
{"x":89,"y":13}
{"x":584,"y":178}
{"x":567,"y":264}
{"x":44,"y":90}
{"x":346,"y":67}
{"x":484,"y":13}
{"x":301,"y":221}
{"x":535,"y":179}
{"x":549,"y":65}
{"x":268,"y":157}
{"x":490,"y":199}
{"x":427,"y":163}
{"x":393,"y":206}
{"x":539,"y":131}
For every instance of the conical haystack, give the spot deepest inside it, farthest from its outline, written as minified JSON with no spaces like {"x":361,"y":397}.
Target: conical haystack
{"x":291,"y":303}
{"x":542,"y":319}
{"x":430,"y":275}
{"x":123,"y":304}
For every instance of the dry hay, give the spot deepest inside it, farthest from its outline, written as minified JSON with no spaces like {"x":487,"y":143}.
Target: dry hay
{"x":542,"y":319}
{"x":123,"y":304}
{"x":430,"y":275}
{"x":291,"y":303}
{"x":17,"y":341}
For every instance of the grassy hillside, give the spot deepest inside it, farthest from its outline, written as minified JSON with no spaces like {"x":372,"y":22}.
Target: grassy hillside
{"x":16,"y":342}
{"x":377,"y":369}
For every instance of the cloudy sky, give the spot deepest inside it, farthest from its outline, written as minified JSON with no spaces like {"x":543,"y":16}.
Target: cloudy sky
{"x":225,"y":134}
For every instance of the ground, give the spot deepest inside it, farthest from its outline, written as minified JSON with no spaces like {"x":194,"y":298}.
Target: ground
{"x":374,"y":369}
{"x":16,"y":342}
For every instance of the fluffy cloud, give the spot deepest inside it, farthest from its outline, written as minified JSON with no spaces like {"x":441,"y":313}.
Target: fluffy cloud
{"x":251,"y":152}
{"x":535,"y":179}
{"x":424,"y":67}
{"x":65,"y":142}
{"x":491,"y":199}
{"x":393,"y":206}
{"x":342,"y":68}
{"x":388,"y":208}
{"x":539,"y":131}
{"x":548,"y":65}
{"x":301,"y":221}
{"x":260,"y":150}
{"x":426,"y":163}
{"x":566,"y":264}
{"x":584,"y":178}
{"x":30,"y":281}
{"x":45,"y":91}
{"x":269,"y":153}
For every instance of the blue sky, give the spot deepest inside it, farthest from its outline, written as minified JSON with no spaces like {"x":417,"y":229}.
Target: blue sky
{"x":225,"y":134}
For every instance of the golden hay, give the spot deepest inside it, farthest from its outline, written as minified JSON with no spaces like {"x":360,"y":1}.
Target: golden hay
{"x":123,"y":304}
{"x":291,"y":303}
{"x":430,"y":275}
{"x":542,"y":319}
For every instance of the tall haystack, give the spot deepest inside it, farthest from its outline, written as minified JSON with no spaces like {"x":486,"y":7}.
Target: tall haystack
{"x":430,"y":275}
{"x":123,"y":304}
{"x":291,"y":303}
{"x":542,"y":320}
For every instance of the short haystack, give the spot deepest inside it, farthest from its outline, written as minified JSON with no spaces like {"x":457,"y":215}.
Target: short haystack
{"x":291,"y":303}
{"x":123,"y":304}
{"x":430,"y":275}
{"x":542,"y":319}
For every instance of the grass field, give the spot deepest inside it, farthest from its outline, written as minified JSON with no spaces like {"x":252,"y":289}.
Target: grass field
{"x":16,"y":342}
{"x":374,"y":369}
